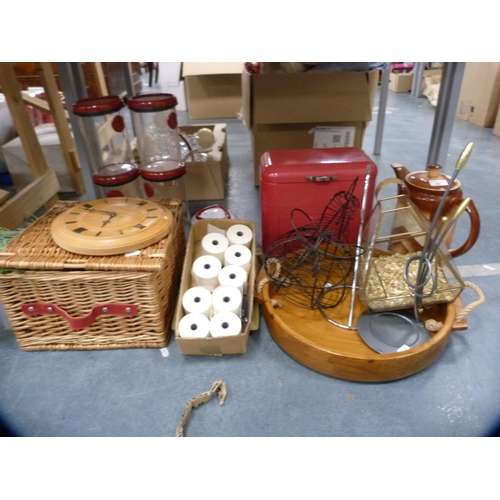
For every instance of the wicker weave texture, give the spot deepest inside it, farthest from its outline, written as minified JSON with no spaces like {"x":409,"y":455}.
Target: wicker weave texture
{"x":34,"y":248}
{"x":150,"y":282}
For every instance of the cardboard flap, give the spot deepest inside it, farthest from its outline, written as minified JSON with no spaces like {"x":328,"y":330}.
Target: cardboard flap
{"x":211,"y":68}
{"x":307,"y":97}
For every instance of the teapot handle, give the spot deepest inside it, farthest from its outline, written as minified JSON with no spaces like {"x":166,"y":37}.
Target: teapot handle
{"x":475,"y":226}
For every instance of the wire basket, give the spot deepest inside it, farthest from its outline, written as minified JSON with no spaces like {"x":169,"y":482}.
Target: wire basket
{"x":311,"y":265}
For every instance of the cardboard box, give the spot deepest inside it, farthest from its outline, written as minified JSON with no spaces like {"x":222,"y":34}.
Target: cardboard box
{"x":431,"y":87}
{"x":206,"y":180}
{"x":17,"y":161}
{"x":496,"y":128}
{"x":213,"y":90}
{"x":236,"y":344}
{"x":403,"y":82}
{"x":306,"y":110}
{"x":479,"y":97}
{"x":433,"y":72}
{"x":400,"y":82}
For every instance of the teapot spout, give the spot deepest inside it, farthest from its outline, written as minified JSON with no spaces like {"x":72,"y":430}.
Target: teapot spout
{"x":400,"y":170}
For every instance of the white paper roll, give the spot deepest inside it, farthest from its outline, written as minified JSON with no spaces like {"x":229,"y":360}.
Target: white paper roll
{"x":194,"y":325}
{"x":214,"y":244}
{"x":197,"y":300}
{"x":240,"y":234}
{"x":205,"y":270}
{"x":226,"y":299}
{"x":233,"y":276}
{"x":225,"y":324}
{"x":238,"y":255}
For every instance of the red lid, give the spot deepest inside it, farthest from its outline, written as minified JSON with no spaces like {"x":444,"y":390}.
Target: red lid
{"x":115,"y":174}
{"x":98,"y":105}
{"x":163,"y":175}
{"x":297,"y":165}
{"x":152,"y":102}
{"x":211,"y":210}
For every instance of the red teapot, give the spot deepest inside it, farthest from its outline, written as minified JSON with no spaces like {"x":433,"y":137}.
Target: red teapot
{"x":426,"y":188}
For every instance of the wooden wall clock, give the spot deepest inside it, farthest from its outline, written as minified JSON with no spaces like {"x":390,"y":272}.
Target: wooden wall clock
{"x":111,"y":226}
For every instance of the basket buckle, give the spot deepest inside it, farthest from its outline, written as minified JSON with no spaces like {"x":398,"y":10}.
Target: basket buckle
{"x":85,"y":321}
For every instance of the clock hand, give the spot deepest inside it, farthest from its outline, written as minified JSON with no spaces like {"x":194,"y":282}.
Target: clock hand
{"x":111,"y":214}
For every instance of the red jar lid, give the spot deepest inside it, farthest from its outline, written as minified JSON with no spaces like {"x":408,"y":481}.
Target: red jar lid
{"x":152,"y":102}
{"x":96,"y":106}
{"x":163,"y":175}
{"x":115,"y":174}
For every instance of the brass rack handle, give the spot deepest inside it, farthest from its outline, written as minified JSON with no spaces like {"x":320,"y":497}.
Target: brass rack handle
{"x":388,"y":182}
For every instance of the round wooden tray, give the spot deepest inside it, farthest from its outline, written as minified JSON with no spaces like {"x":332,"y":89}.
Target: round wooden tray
{"x":312,"y":340}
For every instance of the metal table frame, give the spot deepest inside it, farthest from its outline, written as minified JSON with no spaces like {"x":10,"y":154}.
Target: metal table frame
{"x":449,"y":92}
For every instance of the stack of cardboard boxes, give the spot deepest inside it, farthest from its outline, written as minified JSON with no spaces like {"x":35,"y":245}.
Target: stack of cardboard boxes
{"x":307,"y":110}
{"x":402,"y":81}
{"x":284,"y":110}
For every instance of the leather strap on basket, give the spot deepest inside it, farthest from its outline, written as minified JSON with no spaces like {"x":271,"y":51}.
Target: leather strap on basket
{"x":85,"y":321}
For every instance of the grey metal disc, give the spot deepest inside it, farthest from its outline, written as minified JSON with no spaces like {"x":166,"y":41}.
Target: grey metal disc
{"x":392,"y":331}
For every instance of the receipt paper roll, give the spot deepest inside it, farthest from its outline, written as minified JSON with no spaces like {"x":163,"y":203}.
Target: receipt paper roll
{"x":239,"y":234}
{"x":214,"y":244}
{"x":205,"y":270}
{"x":238,"y":255}
{"x":226,"y":299}
{"x":225,"y":324}
{"x":197,"y":300}
{"x":233,"y":276}
{"x":194,"y":325}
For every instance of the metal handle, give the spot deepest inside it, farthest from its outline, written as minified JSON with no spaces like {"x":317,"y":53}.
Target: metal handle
{"x":321,"y":178}
{"x":85,"y":321}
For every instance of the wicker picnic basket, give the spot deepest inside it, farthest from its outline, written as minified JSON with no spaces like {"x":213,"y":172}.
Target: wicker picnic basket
{"x":58,"y":300}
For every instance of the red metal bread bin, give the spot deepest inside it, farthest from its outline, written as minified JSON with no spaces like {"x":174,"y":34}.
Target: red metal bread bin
{"x":307,"y":179}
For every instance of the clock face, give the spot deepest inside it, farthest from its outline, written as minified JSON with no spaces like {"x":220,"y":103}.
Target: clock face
{"x":111,"y":226}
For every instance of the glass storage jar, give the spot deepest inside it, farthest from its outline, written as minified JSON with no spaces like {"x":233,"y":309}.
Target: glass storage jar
{"x":162,"y":169}
{"x":107,"y":145}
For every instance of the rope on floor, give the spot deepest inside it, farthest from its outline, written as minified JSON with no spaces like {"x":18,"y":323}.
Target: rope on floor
{"x":218,"y":386}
